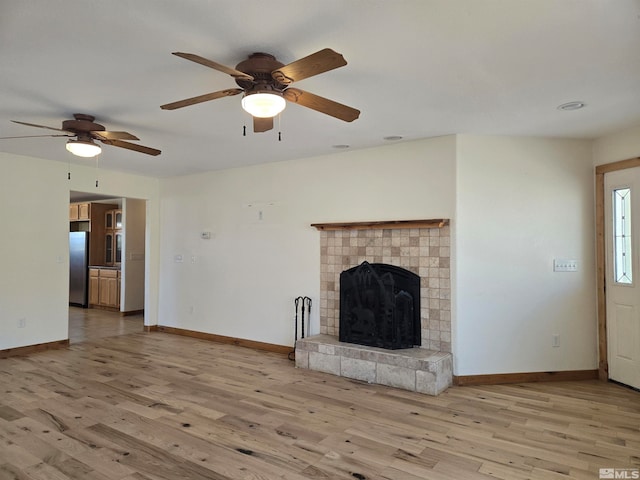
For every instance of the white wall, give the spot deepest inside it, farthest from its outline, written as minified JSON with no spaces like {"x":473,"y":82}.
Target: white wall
{"x":521,"y":202}
{"x":617,"y":146}
{"x":34,"y":249}
{"x":515,"y":204}
{"x":243,"y":281}
{"x":133,"y":265}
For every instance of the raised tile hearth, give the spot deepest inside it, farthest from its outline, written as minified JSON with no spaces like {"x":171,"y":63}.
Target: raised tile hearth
{"x":416,"y":369}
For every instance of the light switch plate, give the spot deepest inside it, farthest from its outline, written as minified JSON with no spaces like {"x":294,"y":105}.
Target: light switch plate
{"x":565,"y":265}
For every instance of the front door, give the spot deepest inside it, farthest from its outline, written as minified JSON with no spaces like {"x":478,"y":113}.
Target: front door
{"x":622,"y":240}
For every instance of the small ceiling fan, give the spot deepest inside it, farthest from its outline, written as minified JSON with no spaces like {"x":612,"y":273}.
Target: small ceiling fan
{"x":265,"y":81}
{"x":85,"y":132}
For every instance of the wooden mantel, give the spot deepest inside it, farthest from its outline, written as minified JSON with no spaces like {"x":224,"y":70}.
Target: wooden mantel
{"x":384,"y":225}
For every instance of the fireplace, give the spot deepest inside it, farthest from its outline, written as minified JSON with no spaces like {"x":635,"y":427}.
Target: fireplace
{"x":421,"y":247}
{"x":380,"y":306}
{"x":423,"y":250}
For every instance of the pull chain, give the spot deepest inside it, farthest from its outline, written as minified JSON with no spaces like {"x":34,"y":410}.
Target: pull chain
{"x":97,"y":171}
{"x":244,"y":130}
{"x":279,"y":127}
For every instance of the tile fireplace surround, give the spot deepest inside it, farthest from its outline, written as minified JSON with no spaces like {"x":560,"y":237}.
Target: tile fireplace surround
{"x":422,"y":247}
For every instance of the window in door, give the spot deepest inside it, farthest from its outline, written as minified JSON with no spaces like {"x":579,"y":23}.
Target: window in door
{"x":622,"y":271}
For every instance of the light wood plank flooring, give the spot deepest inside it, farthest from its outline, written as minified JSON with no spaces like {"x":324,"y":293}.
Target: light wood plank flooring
{"x":155,"y":406}
{"x":93,"y":323}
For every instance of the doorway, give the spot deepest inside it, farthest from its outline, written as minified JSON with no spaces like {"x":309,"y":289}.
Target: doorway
{"x":618,"y":245}
{"x":115,"y":282}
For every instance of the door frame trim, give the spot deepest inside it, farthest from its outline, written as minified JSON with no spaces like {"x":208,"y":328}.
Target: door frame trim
{"x":600,"y":171}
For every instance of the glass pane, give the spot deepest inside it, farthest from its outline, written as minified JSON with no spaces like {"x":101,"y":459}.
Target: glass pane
{"x":108,"y":249}
{"x":118,"y":248}
{"x":622,"y":235}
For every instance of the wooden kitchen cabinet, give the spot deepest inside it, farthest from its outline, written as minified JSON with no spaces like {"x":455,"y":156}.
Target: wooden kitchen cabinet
{"x":84,"y":210}
{"x":94,"y":286}
{"x":79,"y":212}
{"x":90,"y":217}
{"x":113,"y":247}
{"x":113,"y":219}
{"x":109,"y":292}
{"x":113,"y":237}
{"x":104,"y":288}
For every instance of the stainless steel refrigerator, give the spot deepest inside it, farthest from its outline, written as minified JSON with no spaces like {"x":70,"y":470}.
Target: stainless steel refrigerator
{"x":79,"y":269}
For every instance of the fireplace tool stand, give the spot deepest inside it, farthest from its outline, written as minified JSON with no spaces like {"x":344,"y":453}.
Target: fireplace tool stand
{"x":301,"y":304}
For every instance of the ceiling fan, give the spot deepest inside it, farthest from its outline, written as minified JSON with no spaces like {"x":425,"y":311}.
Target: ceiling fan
{"x":85,"y":132}
{"x":265,"y":81}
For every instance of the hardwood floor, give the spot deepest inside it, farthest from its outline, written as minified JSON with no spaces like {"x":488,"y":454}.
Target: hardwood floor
{"x":155,"y":406}
{"x":92,"y":323}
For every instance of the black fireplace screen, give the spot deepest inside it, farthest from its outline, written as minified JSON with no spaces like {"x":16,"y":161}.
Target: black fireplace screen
{"x":380,"y":306}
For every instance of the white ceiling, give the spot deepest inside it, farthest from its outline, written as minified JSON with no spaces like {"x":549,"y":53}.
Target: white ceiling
{"x":416,"y":68}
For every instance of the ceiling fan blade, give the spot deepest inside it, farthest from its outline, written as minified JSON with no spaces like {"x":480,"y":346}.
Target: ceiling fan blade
{"x":104,"y":135}
{"x":201,"y":98}
{"x":132,"y":146}
{"x":262,"y":124}
{"x":37,"y":136}
{"x":39,"y":126}
{"x":216,"y":66}
{"x":311,"y":65}
{"x":321,"y":104}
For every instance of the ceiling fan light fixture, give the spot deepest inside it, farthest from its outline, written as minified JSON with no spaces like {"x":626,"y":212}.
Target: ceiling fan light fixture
{"x":83,"y":148}
{"x":263,"y":104}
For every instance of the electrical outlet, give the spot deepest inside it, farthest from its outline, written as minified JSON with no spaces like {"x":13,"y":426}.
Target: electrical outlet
{"x":22,"y":322}
{"x":555,"y":340}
